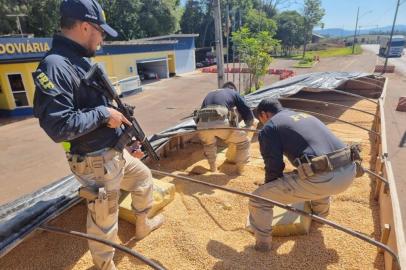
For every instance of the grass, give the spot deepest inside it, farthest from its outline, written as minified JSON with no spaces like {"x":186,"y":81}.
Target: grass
{"x":304,"y":65}
{"x":306,"y":62}
{"x":330,"y":52}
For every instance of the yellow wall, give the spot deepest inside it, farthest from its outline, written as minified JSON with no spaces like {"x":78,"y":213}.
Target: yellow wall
{"x":117,"y":67}
{"x":26,"y":70}
{"x":171,"y":63}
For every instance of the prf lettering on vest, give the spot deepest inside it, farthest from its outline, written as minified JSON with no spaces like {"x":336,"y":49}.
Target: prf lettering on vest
{"x":13,"y":48}
{"x":44,"y":81}
{"x":299,"y":116}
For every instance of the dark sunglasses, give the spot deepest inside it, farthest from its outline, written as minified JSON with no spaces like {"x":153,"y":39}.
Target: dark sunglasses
{"x":99,"y":29}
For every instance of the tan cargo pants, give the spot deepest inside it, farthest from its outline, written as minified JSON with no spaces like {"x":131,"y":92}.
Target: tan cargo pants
{"x":121,"y":171}
{"x":235,"y":139}
{"x":291,"y":189}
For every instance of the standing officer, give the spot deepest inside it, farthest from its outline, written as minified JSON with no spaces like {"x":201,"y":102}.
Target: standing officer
{"x":80,"y":116}
{"x":219,"y":110}
{"x":325,"y":166}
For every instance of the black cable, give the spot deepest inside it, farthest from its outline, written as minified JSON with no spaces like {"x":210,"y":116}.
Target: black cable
{"x":289,"y":208}
{"x":129,"y":251}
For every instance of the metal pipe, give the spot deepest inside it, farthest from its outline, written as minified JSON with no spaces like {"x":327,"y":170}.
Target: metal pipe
{"x":364,"y":82}
{"x":179,"y":134}
{"x":352,"y":95}
{"x":328,"y":103}
{"x":286,"y":207}
{"x":127,"y":250}
{"x":376,"y":175}
{"x":337,"y":119}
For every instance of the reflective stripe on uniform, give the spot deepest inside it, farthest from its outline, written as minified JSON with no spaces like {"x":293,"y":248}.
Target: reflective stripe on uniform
{"x":66,"y":146}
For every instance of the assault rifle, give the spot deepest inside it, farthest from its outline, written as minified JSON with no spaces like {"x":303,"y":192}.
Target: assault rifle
{"x":97,"y":79}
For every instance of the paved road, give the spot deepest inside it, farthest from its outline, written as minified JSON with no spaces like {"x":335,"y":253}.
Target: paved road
{"x":399,"y":63}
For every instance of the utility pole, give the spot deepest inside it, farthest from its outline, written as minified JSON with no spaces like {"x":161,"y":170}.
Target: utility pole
{"x":219,"y":43}
{"x":355,"y":32}
{"x":18,"y":21}
{"x":390,"y":38}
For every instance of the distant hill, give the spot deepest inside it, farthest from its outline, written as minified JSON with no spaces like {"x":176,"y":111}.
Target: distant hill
{"x":339,"y":32}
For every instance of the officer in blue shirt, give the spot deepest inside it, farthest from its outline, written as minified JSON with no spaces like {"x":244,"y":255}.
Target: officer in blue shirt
{"x":222,"y":108}
{"x":82,"y":118}
{"x":325,"y":166}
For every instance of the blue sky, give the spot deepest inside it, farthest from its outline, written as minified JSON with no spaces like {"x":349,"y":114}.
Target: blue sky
{"x":373,"y":13}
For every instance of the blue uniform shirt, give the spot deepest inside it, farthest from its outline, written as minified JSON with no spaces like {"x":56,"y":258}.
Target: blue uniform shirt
{"x":293,"y":134}
{"x":66,"y":108}
{"x":230,"y":99}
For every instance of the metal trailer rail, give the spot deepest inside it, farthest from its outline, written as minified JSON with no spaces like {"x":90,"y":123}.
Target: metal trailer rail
{"x":389,"y":196}
{"x":124,"y":249}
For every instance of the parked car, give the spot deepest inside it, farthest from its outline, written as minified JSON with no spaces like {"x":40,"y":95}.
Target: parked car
{"x":147,"y":75}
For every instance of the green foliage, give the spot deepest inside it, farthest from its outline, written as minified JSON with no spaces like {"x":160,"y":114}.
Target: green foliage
{"x":312,"y":14}
{"x":192,"y":19}
{"x":43,"y":17}
{"x":122,"y":15}
{"x":290,"y":30}
{"x":304,"y":64}
{"x":257,"y":21}
{"x":131,"y":18}
{"x":158,"y":17}
{"x":254,"y":49}
{"x":331,"y":52}
{"x":8,"y":25}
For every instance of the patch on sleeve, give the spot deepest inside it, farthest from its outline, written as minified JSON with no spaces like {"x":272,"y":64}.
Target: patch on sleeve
{"x":44,"y":84}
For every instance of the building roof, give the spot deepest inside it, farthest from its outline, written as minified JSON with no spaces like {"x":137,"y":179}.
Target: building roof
{"x":317,"y":35}
{"x":170,"y":36}
{"x":140,"y":42}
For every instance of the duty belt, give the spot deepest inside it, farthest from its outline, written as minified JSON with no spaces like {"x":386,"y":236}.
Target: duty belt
{"x":212,"y":113}
{"x":95,"y":160}
{"x":308,"y":166}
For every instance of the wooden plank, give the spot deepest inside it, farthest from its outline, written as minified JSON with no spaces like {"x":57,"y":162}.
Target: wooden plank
{"x":384,"y":236}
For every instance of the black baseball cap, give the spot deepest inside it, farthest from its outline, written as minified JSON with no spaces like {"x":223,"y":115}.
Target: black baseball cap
{"x":86,"y":10}
{"x":271,"y":105}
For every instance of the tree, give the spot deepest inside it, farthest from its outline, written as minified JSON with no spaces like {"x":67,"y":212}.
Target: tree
{"x":123,"y":16}
{"x":270,"y":7}
{"x":254,"y":49}
{"x":290,"y":28}
{"x":43,"y":17}
{"x":159,"y":17}
{"x":8,"y":25}
{"x":192,"y":19}
{"x":312,"y":14}
{"x":257,"y":21}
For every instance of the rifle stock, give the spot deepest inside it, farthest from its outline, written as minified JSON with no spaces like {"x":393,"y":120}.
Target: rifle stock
{"x":97,"y":79}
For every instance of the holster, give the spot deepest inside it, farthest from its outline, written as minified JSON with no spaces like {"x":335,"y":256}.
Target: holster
{"x":356,"y":157}
{"x":105,"y":201}
{"x":233,"y":117}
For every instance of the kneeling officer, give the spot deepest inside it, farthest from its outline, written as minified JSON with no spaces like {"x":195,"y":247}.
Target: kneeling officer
{"x":325,"y":166}
{"x":222,"y":108}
